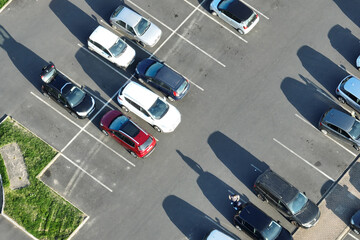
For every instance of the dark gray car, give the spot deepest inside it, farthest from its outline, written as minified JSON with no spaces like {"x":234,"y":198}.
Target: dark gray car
{"x":342,"y":126}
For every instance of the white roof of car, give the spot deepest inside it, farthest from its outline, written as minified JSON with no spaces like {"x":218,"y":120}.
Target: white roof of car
{"x":129,"y":16}
{"x":104,"y":37}
{"x":217,"y":235}
{"x":140,"y":94}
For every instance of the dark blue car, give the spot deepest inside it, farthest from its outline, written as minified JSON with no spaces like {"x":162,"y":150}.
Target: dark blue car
{"x":163,"y":78}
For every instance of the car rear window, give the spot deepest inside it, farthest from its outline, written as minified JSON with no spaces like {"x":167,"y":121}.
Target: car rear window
{"x":146,"y":144}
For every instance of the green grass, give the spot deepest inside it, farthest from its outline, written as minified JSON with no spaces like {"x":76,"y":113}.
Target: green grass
{"x":2,"y":3}
{"x":36,"y":207}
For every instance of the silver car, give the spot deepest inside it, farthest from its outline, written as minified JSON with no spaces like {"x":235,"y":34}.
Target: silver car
{"x":348,"y":92}
{"x":235,"y":13}
{"x":139,"y":28}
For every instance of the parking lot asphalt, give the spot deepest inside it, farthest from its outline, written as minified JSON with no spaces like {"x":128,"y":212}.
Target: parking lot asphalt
{"x":254,"y":103}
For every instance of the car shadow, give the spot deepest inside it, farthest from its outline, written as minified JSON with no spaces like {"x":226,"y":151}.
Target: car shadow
{"x":240,"y":162}
{"x":354,"y":174}
{"x":350,"y":9}
{"x":27,"y":62}
{"x":308,"y":98}
{"x":104,"y":12}
{"x":345,"y":43}
{"x":77,"y":21}
{"x":205,"y":4}
{"x":192,"y":222}
{"x":321,"y":68}
{"x":215,"y":190}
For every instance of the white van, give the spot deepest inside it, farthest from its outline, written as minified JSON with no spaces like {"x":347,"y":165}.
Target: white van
{"x":217,"y":235}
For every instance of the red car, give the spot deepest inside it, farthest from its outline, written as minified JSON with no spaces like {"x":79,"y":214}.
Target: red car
{"x":138,"y":142}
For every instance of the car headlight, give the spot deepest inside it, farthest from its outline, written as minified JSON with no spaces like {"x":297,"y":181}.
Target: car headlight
{"x":352,"y":221}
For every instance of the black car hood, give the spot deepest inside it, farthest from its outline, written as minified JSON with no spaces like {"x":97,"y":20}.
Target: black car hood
{"x":308,"y":213}
{"x":85,"y":105}
{"x":284,"y":235}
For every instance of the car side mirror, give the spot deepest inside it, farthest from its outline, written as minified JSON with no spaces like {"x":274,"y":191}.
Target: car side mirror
{"x":304,"y":193}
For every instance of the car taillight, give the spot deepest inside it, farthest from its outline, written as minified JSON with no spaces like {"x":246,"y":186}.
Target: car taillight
{"x":257,"y":15}
{"x":175,"y":94}
{"x":320,"y":123}
{"x":254,"y":185}
{"x":119,"y":98}
{"x":245,"y":27}
{"x":52,"y":66}
{"x":337,"y":90}
{"x":42,"y":77}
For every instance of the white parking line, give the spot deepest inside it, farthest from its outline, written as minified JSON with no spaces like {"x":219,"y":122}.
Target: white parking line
{"x":256,"y":168}
{"x":83,"y":170}
{"x":343,"y":68}
{"x":327,"y":176}
{"x":83,"y":130}
{"x":302,"y":119}
{"x":352,"y":236}
{"x":255,"y":10}
{"x":175,"y":32}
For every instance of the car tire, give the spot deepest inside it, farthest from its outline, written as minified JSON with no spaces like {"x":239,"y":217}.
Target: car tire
{"x":261,"y":197}
{"x":125,"y":109}
{"x":213,"y":13}
{"x":170,"y":99}
{"x":341,"y":99}
{"x":240,"y":31}
{"x":141,"y":80}
{"x":46,"y":95}
{"x":324,"y":131}
{"x":74,"y":115}
{"x":356,"y":147}
{"x":133,"y":154}
{"x":105,"y":132}
{"x":295,"y":223}
{"x":238,"y":227}
{"x":157,"y":128}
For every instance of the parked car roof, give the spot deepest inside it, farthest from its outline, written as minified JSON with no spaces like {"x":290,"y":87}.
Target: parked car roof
{"x":352,"y":85}
{"x":103,"y":36}
{"x":340,"y":119}
{"x":129,"y":16}
{"x":140,"y":93}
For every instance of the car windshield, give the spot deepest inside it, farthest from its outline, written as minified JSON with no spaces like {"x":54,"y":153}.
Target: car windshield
{"x":272,"y":231}
{"x":355,"y":130}
{"x":225,"y":4}
{"x":158,"y":109}
{"x":118,"y":122}
{"x":153,"y":69}
{"x":146,"y":144}
{"x":75,"y":96}
{"x":182,"y":87}
{"x":142,"y":26}
{"x":118,"y":48}
{"x":297,"y":203}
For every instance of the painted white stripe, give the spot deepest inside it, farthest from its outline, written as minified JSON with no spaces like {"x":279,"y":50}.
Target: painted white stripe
{"x":256,"y":168}
{"x":83,"y":170}
{"x":255,"y":10}
{"x":343,"y":68}
{"x":327,"y":176}
{"x":175,"y":32}
{"x":18,"y":226}
{"x":186,"y":78}
{"x":100,"y":100}
{"x":352,"y":236}
{"x":305,"y":121}
{"x":78,"y":228}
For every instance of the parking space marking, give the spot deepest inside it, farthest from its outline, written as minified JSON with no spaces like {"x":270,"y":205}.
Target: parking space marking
{"x":256,"y":169}
{"x":346,"y":149}
{"x":175,"y":32}
{"x":352,"y":236}
{"x":255,"y":9}
{"x":84,"y":129}
{"x":304,"y":160}
{"x":343,"y":68}
{"x":84,"y":171}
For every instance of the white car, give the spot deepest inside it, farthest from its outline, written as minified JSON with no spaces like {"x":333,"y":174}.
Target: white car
{"x":358,"y":63}
{"x":111,"y":47}
{"x":135,"y":25}
{"x":148,"y":106}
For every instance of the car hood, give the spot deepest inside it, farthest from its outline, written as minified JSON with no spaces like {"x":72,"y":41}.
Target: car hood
{"x":309,"y":214}
{"x":358,"y":62}
{"x":284,"y":235}
{"x":151,"y":36}
{"x":170,"y":120}
{"x":126,"y":58}
{"x":86,"y":105}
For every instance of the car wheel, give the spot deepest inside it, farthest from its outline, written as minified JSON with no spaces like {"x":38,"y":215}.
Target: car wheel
{"x":133,"y":154}
{"x":341,"y":99}
{"x":105,"y":132}
{"x":142,"y":44}
{"x":241,"y":31}
{"x":74,"y":115}
{"x":141,"y":80}
{"x":46,"y":95}
{"x":213,"y":13}
{"x":124,"y":108}
{"x":324,"y":131}
{"x":114,"y":26}
{"x":356,"y":147}
{"x":294,"y":223}
{"x":157,"y":128}
{"x":261,"y":197}
{"x":170,"y":98}
{"x":356,"y":231}
{"x":238,"y":227}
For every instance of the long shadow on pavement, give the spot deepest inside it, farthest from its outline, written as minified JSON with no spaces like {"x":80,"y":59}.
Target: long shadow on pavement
{"x":354,"y":173}
{"x":240,"y":162}
{"x":101,"y":10}
{"x":351,"y":9}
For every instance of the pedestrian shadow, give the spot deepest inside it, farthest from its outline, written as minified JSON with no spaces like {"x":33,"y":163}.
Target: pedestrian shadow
{"x":321,"y":68}
{"x":350,"y":9}
{"x":354,"y":174}
{"x":77,"y":22}
{"x":345,"y":43}
{"x":193,"y":223}
{"x":240,"y":162}
{"x":308,"y":98}
{"x":215,"y":190}
{"x":27,"y":62}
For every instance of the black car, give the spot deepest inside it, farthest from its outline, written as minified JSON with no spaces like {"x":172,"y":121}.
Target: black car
{"x":67,"y":94}
{"x":259,"y":225}
{"x":355,"y":222}
{"x":287,"y":199}
{"x":163,"y":78}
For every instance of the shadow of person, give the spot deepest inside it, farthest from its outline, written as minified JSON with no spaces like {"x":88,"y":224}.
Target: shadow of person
{"x":308,"y":99}
{"x":354,"y":174}
{"x":104,"y":12}
{"x":26,"y":61}
{"x":344,"y":42}
{"x":350,"y":9}
{"x":78,"y":22}
{"x":240,"y":162}
{"x":215,"y":190}
{"x":193,"y":223}
{"x":321,"y":68}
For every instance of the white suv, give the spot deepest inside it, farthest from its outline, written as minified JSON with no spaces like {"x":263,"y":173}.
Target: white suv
{"x":111,"y":47}
{"x":149,"y":106}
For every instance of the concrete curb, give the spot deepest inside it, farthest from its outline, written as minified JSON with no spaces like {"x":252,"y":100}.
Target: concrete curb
{"x":342,"y":235}
{"x":6,"y":4}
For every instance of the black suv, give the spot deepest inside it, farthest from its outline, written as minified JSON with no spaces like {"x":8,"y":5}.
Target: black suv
{"x":67,"y":94}
{"x":259,"y":225}
{"x":288,"y":200}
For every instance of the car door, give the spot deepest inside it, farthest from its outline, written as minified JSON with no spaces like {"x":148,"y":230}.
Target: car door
{"x":123,"y":140}
{"x":121,"y":25}
{"x":130,"y":31}
{"x":340,"y":134}
{"x":353,"y":101}
{"x":139,"y":111}
{"x":229,"y":18}
{"x":102,"y":51}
